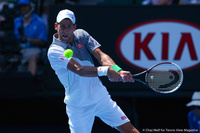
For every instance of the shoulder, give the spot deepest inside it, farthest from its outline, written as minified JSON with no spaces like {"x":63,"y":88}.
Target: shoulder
{"x":38,"y":18}
{"x":55,"y":53}
{"x":55,"y":49}
{"x":18,"y":19}
{"x":80,"y":33}
{"x":191,"y":114}
{"x":35,"y":16}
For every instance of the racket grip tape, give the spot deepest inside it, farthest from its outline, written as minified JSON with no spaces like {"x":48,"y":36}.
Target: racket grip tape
{"x":116,"y":68}
{"x":122,"y":77}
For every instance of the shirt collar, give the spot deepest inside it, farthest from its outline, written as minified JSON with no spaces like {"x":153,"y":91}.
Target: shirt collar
{"x":33,"y":16}
{"x":58,"y":42}
{"x":63,"y":44}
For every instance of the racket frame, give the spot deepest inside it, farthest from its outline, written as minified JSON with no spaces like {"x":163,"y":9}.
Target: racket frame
{"x":146,"y":77}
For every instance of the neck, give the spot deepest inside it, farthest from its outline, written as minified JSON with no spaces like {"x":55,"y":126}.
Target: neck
{"x":27,"y":19}
{"x":71,"y":41}
{"x":28,"y":14}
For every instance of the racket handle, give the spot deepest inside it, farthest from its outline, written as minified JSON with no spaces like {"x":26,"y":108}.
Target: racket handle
{"x":122,"y":76}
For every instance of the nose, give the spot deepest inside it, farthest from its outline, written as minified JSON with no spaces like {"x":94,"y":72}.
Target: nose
{"x":66,"y":27}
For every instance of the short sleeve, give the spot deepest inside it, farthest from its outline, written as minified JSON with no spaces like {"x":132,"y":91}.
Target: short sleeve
{"x":87,"y":40}
{"x":57,"y":58}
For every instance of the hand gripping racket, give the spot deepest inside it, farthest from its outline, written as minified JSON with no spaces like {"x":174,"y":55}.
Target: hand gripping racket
{"x":164,"y":77}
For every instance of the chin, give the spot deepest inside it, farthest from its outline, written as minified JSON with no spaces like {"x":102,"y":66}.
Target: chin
{"x":65,"y":40}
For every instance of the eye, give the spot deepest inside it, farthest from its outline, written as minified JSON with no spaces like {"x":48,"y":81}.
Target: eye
{"x":66,"y":26}
{"x":62,"y":26}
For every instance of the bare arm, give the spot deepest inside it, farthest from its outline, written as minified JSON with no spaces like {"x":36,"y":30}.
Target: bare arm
{"x":37,"y":42}
{"x":86,"y":71}
{"x":105,"y":60}
{"x":89,"y":71}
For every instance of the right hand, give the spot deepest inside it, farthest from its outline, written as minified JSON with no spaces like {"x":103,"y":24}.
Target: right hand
{"x":126,"y":76}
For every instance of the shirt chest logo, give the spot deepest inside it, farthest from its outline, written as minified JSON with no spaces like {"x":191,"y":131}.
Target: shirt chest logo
{"x":79,"y":45}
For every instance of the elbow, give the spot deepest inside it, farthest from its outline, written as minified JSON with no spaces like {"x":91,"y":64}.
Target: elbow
{"x":75,"y":67}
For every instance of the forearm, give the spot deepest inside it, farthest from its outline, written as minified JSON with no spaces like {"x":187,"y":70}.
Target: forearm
{"x":106,"y":60}
{"x":90,"y":71}
{"x":37,"y":42}
{"x":86,"y":71}
{"x":114,"y":72}
{"x":103,"y":58}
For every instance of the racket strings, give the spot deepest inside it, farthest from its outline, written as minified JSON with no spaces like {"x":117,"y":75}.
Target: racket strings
{"x":164,"y":77}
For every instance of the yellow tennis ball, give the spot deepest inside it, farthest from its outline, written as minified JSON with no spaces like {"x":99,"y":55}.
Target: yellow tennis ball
{"x":68,"y":53}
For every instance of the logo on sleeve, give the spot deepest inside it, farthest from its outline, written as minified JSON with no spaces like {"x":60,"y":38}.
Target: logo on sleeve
{"x":62,"y":58}
{"x":79,"y":45}
{"x":123,"y":117}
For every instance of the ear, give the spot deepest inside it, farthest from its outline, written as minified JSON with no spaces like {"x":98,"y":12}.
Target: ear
{"x":55,"y":26}
{"x":74,"y":26}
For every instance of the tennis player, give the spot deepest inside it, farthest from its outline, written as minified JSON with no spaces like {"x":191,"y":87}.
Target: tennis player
{"x":85,"y":95}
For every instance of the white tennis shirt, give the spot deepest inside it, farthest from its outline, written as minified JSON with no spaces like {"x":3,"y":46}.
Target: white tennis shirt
{"x":79,"y":90}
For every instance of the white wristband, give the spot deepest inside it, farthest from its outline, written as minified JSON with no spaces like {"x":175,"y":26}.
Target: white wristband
{"x":102,"y":70}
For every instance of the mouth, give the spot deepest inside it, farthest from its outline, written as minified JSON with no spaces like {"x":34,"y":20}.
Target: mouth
{"x":65,"y":36}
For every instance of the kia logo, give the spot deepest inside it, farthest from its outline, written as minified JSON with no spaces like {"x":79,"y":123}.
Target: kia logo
{"x":151,"y":42}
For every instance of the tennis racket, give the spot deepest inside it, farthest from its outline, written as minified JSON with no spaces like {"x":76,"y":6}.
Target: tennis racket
{"x":164,"y":77}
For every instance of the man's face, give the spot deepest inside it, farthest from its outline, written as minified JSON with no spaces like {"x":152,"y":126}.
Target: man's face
{"x":197,"y":110}
{"x":65,"y":30}
{"x":24,"y":9}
